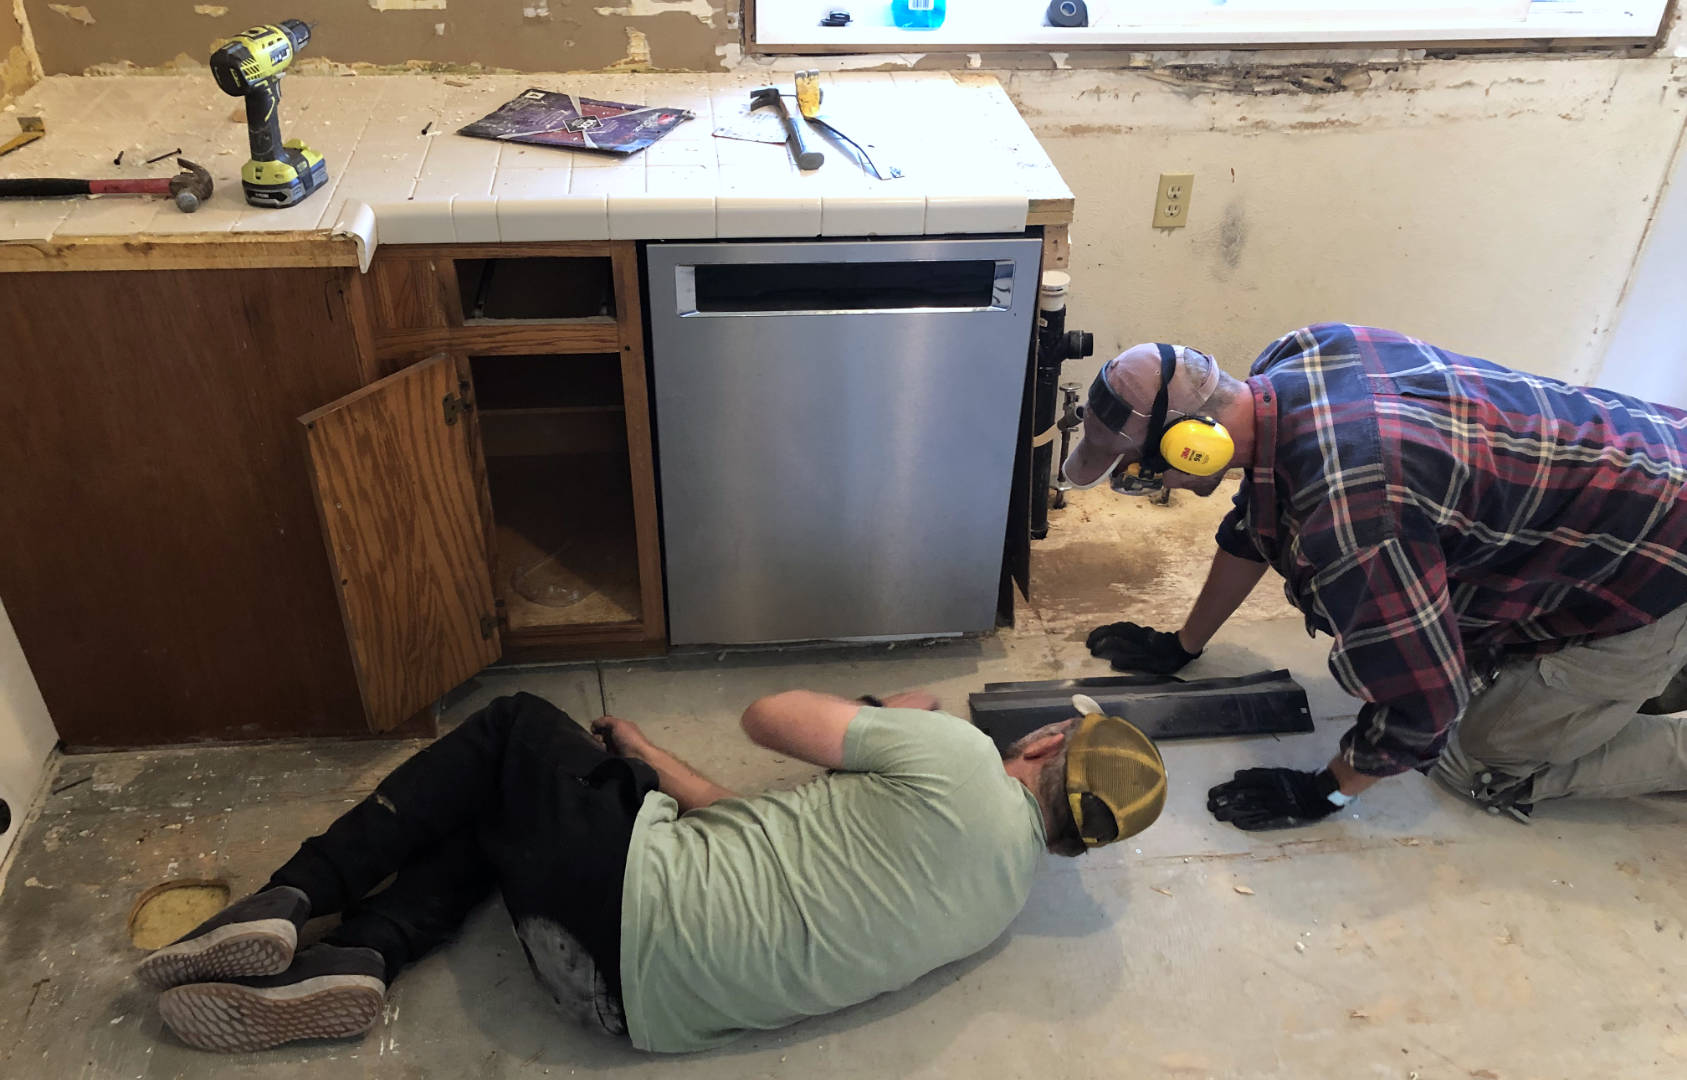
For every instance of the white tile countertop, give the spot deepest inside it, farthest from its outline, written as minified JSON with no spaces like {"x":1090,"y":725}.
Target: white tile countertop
{"x":970,"y":164}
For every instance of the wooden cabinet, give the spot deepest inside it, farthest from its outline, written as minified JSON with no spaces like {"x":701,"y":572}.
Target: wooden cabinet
{"x":184,"y":560}
{"x":528,"y":418}
{"x":159,"y":547}
{"x":400,"y":493}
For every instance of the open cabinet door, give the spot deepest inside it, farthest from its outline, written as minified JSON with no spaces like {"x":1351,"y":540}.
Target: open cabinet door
{"x":402,"y":500}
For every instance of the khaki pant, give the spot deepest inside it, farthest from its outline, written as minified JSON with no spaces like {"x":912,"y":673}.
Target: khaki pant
{"x":1568,"y":718}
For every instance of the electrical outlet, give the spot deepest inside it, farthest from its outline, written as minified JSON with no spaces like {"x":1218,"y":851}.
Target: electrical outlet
{"x":1171,"y":203}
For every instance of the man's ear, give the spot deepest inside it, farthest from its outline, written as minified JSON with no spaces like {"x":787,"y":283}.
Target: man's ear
{"x":1045,"y":747}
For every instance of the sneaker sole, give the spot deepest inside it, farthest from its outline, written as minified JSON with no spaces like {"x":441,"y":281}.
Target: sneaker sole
{"x":238,"y":950}
{"x":230,"y":1018}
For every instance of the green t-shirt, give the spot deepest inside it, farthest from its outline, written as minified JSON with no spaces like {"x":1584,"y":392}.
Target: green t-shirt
{"x":756,"y":912}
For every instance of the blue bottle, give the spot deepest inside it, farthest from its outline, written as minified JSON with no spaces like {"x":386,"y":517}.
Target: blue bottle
{"x":918,"y":14}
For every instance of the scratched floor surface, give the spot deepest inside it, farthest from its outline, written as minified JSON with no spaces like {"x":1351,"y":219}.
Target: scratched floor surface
{"x":1410,"y":937}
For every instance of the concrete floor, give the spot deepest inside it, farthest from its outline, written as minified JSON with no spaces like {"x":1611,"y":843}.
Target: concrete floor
{"x":1411,"y":937}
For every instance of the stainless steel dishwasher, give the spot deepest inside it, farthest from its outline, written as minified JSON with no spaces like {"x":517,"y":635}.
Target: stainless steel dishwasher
{"x":836,"y":425}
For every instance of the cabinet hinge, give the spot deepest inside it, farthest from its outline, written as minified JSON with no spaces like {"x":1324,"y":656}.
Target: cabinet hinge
{"x":454,"y":406}
{"x":488,"y":623}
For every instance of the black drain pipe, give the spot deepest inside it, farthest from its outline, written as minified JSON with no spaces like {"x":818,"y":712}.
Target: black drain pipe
{"x":1055,"y":345}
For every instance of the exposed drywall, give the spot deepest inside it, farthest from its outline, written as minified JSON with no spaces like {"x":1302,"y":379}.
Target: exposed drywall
{"x":18,"y":69}
{"x":519,"y":35}
{"x":27,"y":735}
{"x":1647,"y":354}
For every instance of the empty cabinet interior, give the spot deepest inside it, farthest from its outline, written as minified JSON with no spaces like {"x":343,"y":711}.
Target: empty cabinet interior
{"x":554,"y":432}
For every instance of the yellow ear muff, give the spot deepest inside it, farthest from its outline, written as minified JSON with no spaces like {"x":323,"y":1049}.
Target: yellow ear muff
{"x":1198,"y":446}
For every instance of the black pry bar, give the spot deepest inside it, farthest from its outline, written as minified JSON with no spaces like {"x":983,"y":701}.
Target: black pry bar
{"x":1261,"y":704}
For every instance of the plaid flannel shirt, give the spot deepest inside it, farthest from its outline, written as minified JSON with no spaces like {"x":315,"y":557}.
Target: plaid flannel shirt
{"x":1435,"y":513}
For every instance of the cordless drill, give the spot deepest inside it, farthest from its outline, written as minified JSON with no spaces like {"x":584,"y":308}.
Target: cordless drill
{"x":250,"y":65}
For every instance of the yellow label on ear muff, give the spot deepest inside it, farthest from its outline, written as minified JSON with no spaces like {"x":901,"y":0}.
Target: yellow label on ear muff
{"x":1199,"y":446}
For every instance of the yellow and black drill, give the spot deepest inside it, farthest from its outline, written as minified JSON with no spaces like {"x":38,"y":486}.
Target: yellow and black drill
{"x":250,"y":65}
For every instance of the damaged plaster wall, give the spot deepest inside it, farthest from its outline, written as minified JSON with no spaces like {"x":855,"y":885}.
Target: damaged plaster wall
{"x":1491,"y":203}
{"x":19,"y":67}
{"x":515,"y":35}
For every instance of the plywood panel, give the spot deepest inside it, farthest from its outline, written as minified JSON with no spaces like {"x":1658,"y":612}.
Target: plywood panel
{"x":401,"y":503}
{"x":159,"y":550}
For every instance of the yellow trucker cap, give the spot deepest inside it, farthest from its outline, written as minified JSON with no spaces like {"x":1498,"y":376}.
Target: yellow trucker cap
{"x":1115,"y":779}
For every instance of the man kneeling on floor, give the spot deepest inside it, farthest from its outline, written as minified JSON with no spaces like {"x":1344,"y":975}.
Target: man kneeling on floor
{"x":652,"y":902}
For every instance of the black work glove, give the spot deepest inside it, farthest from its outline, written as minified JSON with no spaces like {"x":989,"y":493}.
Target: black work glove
{"x":1259,"y":799}
{"x":1138,"y":648}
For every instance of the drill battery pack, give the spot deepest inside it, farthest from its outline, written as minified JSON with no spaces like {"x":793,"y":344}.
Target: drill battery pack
{"x":288,"y":179}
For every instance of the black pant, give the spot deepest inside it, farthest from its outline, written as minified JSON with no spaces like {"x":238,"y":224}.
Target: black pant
{"x":519,"y":796}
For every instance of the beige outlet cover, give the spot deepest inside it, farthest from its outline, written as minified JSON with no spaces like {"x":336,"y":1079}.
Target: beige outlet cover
{"x":1171,"y":202}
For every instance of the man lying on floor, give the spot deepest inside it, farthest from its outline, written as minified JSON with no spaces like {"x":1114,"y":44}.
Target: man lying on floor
{"x":652,"y":902}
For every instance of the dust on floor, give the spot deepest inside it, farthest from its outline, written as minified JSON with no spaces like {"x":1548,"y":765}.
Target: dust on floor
{"x":1411,"y":936}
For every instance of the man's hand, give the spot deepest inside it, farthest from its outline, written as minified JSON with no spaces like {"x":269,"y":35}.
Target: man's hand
{"x":621,"y":737}
{"x":1139,"y":648}
{"x":911,"y":699}
{"x":685,"y":785}
{"x":1259,"y":799}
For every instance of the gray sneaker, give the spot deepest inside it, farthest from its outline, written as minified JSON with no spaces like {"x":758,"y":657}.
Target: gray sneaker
{"x":328,"y":992}
{"x":254,"y":936}
{"x":1494,"y":791}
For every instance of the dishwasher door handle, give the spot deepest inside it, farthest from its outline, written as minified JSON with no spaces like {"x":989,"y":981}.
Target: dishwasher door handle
{"x":715,"y":290}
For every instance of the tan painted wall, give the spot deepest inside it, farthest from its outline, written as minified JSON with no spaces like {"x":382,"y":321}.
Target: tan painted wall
{"x":1492,"y":206}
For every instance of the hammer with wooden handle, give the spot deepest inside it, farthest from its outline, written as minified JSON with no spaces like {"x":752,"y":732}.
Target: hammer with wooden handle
{"x":190,"y":187}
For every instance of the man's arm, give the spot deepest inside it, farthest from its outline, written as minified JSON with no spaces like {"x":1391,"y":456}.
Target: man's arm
{"x":679,"y":781}
{"x":811,"y":726}
{"x":802,"y":724}
{"x":1229,"y":581}
{"x":1236,"y":569}
{"x":1397,"y":647}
